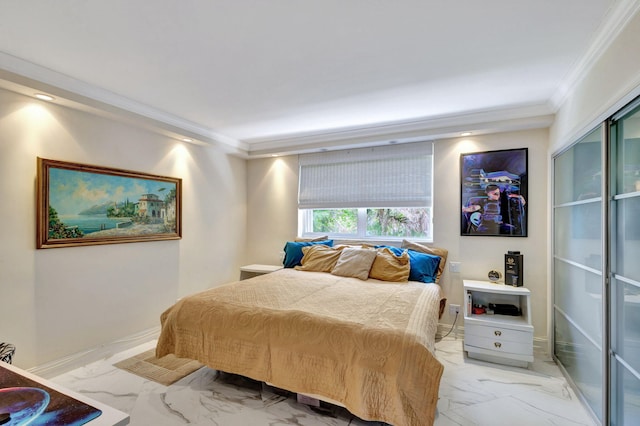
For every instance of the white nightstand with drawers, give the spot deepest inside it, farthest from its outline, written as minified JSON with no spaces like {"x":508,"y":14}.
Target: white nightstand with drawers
{"x":504,"y":339}
{"x":250,"y":271}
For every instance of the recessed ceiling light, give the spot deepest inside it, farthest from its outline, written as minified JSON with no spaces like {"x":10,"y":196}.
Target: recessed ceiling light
{"x":44,"y":97}
{"x":187,"y":140}
{"x":465,"y":134}
{"x":274,"y":155}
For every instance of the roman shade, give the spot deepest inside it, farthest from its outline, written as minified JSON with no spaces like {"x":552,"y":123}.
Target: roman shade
{"x":398,"y":175}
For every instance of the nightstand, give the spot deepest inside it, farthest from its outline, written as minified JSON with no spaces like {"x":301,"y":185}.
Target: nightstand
{"x":504,"y":339}
{"x":250,"y":271}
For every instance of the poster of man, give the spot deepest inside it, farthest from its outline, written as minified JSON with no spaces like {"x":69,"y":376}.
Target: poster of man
{"x":494,"y":193}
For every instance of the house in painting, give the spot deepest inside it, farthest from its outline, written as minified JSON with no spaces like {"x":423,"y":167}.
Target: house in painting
{"x":150,"y":205}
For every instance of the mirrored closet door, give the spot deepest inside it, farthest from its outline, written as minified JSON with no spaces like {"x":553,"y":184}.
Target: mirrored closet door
{"x":577,"y":263}
{"x":625,"y":267}
{"x":596,"y":267}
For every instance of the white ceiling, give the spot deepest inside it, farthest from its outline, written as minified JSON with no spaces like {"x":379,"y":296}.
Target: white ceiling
{"x":262,"y":75}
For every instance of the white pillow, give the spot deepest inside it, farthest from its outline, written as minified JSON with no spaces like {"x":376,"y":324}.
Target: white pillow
{"x":354,"y":262}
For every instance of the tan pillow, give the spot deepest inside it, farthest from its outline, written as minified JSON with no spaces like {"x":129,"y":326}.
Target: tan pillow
{"x":355,"y":263}
{"x":389,"y":267}
{"x":319,"y":258}
{"x":436,"y":251}
{"x":311,"y":239}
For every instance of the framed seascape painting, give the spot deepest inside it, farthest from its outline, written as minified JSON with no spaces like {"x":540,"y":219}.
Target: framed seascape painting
{"x":494,"y":193}
{"x":80,"y":204}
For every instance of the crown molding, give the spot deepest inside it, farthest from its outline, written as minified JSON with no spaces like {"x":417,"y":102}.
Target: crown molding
{"x":516,"y":117}
{"x":24,"y":77}
{"x":616,"y":101}
{"x":614,"y":23}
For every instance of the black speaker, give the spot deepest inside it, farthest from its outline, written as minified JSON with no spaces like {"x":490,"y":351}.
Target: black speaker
{"x":513,"y":272}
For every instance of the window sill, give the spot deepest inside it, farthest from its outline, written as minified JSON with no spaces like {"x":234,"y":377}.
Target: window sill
{"x":375,"y":241}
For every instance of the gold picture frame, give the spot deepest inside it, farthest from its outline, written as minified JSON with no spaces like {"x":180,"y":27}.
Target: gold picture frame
{"x":81,"y":204}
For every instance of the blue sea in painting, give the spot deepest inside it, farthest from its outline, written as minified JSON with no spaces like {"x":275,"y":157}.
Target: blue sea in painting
{"x":92,"y":223}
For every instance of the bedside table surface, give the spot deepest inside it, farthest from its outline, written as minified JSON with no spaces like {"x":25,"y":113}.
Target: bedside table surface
{"x":494,"y":287}
{"x":258,"y":268}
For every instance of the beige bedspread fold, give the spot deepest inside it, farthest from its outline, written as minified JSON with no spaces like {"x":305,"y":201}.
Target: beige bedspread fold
{"x":367,"y":344}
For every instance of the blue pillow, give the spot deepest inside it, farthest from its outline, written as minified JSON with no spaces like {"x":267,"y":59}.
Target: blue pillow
{"x":423,"y":267}
{"x":293,"y":251}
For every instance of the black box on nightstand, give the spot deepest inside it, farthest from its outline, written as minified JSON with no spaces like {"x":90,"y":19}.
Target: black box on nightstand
{"x":513,"y":271}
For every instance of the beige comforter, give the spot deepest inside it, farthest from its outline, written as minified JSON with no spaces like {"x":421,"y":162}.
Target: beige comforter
{"x":367,"y":344}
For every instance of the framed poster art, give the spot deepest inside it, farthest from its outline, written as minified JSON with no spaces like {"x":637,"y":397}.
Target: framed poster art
{"x":25,"y":401}
{"x":494,"y":193}
{"x":80,"y":204}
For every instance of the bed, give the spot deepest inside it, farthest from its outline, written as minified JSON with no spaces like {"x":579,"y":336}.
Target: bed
{"x":367,"y":344}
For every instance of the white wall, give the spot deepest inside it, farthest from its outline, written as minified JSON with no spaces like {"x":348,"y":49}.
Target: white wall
{"x":480,"y":254}
{"x":612,"y":81}
{"x":272,"y":215}
{"x":272,"y":207}
{"x":62,"y":301}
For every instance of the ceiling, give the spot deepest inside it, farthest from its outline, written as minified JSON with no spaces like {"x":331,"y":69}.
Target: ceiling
{"x":267,"y":76}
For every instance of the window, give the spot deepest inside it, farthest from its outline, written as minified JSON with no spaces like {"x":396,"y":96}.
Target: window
{"x":367,"y":193}
{"x":377,"y":223}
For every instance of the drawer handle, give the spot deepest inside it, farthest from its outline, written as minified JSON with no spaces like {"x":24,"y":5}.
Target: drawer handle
{"x":498,"y":333}
{"x":497,"y":344}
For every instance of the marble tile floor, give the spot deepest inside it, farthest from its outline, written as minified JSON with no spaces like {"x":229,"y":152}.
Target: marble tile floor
{"x":471,"y":393}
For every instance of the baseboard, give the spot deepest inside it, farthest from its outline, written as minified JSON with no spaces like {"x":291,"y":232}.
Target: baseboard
{"x":79,"y":359}
{"x":452,"y":330}
{"x":540,"y":346}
